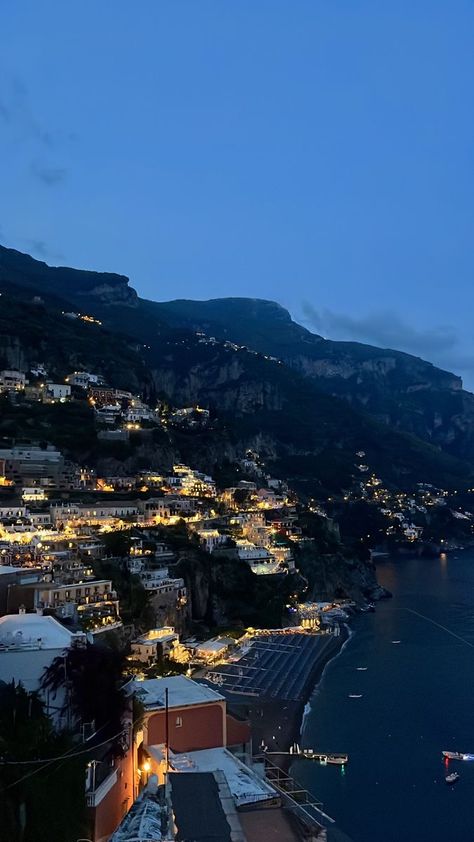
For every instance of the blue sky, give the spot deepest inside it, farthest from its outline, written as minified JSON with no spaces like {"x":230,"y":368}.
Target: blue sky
{"x":316,"y":153}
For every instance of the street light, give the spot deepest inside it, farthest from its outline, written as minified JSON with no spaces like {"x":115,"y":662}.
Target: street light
{"x":146,"y":769}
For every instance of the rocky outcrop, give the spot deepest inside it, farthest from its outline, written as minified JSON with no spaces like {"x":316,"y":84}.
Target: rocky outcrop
{"x":71,"y":284}
{"x":116,"y":292}
{"x":334,"y":576}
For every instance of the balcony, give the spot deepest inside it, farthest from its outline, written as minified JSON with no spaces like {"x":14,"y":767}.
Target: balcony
{"x":95,"y":796}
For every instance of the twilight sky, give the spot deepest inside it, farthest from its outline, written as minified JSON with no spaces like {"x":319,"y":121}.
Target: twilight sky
{"x":316,"y":152}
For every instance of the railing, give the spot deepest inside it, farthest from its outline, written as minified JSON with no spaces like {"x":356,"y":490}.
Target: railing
{"x":94,"y":797}
{"x":297,"y":799}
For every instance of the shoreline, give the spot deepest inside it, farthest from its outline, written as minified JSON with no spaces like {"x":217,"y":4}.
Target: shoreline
{"x":307,"y":708}
{"x":279,"y":723}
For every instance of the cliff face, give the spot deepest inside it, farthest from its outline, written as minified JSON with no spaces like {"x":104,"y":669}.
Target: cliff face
{"x":337,"y":577}
{"x":71,"y":284}
{"x":398,"y":389}
{"x":32,"y":333}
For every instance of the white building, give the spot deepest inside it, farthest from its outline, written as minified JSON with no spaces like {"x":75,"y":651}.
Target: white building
{"x":84,"y":379}
{"x":12,"y":380}
{"x":149,"y":646}
{"x":260,"y":560}
{"x":33,"y":494}
{"x":29,"y":643}
{"x":58,"y":391}
{"x":92,"y":514}
{"x":161,"y":583}
{"x":210,"y":539}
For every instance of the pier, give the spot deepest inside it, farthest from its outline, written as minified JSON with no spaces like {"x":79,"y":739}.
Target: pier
{"x":308,"y":754}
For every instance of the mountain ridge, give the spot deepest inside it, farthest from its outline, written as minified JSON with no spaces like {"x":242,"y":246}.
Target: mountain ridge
{"x":402,"y":392}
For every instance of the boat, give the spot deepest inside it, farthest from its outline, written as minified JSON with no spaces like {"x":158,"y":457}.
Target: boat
{"x":457,"y":755}
{"x":452,"y":778}
{"x":338,"y":759}
{"x":361,"y":669}
{"x":333,"y":759}
{"x":355,"y":695}
{"x":396,"y":641}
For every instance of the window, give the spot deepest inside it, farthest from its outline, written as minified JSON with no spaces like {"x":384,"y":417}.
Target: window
{"x":179,"y":722}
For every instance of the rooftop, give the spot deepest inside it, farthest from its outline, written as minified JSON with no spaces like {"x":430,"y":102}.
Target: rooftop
{"x":159,"y":635}
{"x":215,"y":644}
{"x":198,"y":808}
{"x":33,"y":631}
{"x":246,"y":786}
{"x":182,"y":691}
{"x":8,"y":569}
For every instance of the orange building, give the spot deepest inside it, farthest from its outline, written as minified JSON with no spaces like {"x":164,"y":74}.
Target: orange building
{"x":196,"y":718}
{"x":197,"y":715}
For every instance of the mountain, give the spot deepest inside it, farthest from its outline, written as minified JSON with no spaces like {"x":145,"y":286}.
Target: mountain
{"x":398,"y":389}
{"x":291,"y":408}
{"x":72,"y":284}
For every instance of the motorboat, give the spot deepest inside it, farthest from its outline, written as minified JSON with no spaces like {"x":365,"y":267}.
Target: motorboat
{"x":457,"y":755}
{"x":338,"y":759}
{"x":452,"y":778}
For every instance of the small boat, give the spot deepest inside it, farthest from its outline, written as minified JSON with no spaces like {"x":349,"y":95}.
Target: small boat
{"x":361,"y":669}
{"x":396,"y":641}
{"x":457,"y":755}
{"x":452,"y":778}
{"x":338,"y":759}
{"x":355,"y":695}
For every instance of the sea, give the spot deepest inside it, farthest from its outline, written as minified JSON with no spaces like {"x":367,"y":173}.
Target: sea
{"x":416,"y":699}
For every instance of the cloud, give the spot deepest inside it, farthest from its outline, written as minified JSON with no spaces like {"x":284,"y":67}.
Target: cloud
{"x":29,"y":132}
{"x":384,"y":328}
{"x":440,"y":345}
{"x":40,"y":248}
{"x":16,"y":112}
{"x":49,"y":176}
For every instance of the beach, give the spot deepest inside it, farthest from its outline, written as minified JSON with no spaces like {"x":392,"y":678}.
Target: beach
{"x":276,"y":723}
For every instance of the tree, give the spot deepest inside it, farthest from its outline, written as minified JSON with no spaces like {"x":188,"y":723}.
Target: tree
{"x":29,"y":810}
{"x":94,"y":681}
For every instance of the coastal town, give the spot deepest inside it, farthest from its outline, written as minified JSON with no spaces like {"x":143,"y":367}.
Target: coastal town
{"x":210,"y":704}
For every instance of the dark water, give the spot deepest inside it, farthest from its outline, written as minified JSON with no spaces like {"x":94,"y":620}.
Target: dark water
{"x":418,"y":698}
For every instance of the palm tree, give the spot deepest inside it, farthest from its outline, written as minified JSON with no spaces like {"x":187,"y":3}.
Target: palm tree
{"x":93,"y":677}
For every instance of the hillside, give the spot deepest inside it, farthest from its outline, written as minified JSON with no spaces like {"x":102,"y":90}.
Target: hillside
{"x":308,"y":435}
{"x":396,"y":388}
